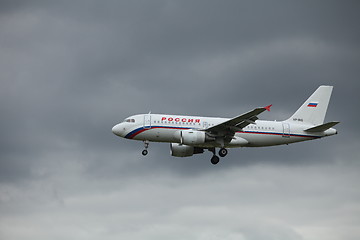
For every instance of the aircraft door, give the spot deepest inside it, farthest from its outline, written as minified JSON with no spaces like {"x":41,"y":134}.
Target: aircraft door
{"x":147,"y":121}
{"x":286,"y":130}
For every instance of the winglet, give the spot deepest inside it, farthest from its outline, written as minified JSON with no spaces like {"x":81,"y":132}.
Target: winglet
{"x":268,"y":107}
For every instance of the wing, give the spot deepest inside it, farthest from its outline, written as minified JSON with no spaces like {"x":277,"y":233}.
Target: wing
{"x":228,"y":128}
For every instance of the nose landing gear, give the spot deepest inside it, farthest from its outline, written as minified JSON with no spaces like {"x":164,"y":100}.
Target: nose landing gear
{"x":146,"y":145}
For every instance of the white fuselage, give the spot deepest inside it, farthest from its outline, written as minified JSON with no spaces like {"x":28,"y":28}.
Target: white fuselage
{"x":166,"y":128}
{"x":189,"y":135}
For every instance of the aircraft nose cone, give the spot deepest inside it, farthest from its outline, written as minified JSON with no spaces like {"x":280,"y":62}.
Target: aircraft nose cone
{"x":117,"y":130}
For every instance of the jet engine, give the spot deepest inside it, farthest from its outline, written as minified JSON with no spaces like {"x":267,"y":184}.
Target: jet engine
{"x":179,"y":150}
{"x":193,"y":137}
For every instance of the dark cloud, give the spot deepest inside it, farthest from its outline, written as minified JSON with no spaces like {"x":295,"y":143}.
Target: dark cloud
{"x":70,"y":71}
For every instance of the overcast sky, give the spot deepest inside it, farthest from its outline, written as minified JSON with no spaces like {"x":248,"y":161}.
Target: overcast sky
{"x":70,"y":70}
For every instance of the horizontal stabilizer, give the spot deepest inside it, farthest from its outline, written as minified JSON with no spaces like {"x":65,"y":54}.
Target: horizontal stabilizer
{"x":322,"y":127}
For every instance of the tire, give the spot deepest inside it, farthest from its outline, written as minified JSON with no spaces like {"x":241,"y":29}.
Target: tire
{"x":223,"y":152}
{"x":215,"y":160}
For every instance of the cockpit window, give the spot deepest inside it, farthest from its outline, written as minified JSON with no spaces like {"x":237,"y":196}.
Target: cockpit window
{"x":130,"y":120}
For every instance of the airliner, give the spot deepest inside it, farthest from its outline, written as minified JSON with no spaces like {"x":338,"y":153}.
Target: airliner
{"x":189,"y":135}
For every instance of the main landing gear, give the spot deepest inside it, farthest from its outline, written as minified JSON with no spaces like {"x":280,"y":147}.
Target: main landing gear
{"x":215,"y":159}
{"x":223,"y":152}
{"x":146,"y":145}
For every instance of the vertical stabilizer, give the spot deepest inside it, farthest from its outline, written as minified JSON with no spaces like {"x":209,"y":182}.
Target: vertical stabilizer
{"x":314,"y":109}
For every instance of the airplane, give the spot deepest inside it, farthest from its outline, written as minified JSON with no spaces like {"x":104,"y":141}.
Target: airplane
{"x":189,"y":135}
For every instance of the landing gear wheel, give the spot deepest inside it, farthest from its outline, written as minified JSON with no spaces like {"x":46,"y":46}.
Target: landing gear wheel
{"x":223,"y":152}
{"x":146,"y":145}
{"x":215,"y":160}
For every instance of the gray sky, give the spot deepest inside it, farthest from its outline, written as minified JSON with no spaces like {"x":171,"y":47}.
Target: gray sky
{"x":71,"y":70}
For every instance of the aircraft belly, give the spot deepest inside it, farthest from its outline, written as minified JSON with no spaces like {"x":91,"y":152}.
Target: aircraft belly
{"x":257,"y":139}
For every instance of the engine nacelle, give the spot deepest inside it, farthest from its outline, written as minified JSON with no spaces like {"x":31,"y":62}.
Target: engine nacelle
{"x":194,"y":137}
{"x":178,"y":150}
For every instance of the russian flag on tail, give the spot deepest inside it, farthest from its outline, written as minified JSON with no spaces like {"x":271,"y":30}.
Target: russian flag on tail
{"x":312,"y":104}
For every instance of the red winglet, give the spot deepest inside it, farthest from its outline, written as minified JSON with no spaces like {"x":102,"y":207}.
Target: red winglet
{"x":268,"y":107}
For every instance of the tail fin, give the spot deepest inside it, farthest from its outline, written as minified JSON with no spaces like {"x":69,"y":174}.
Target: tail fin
{"x":313,"y":110}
